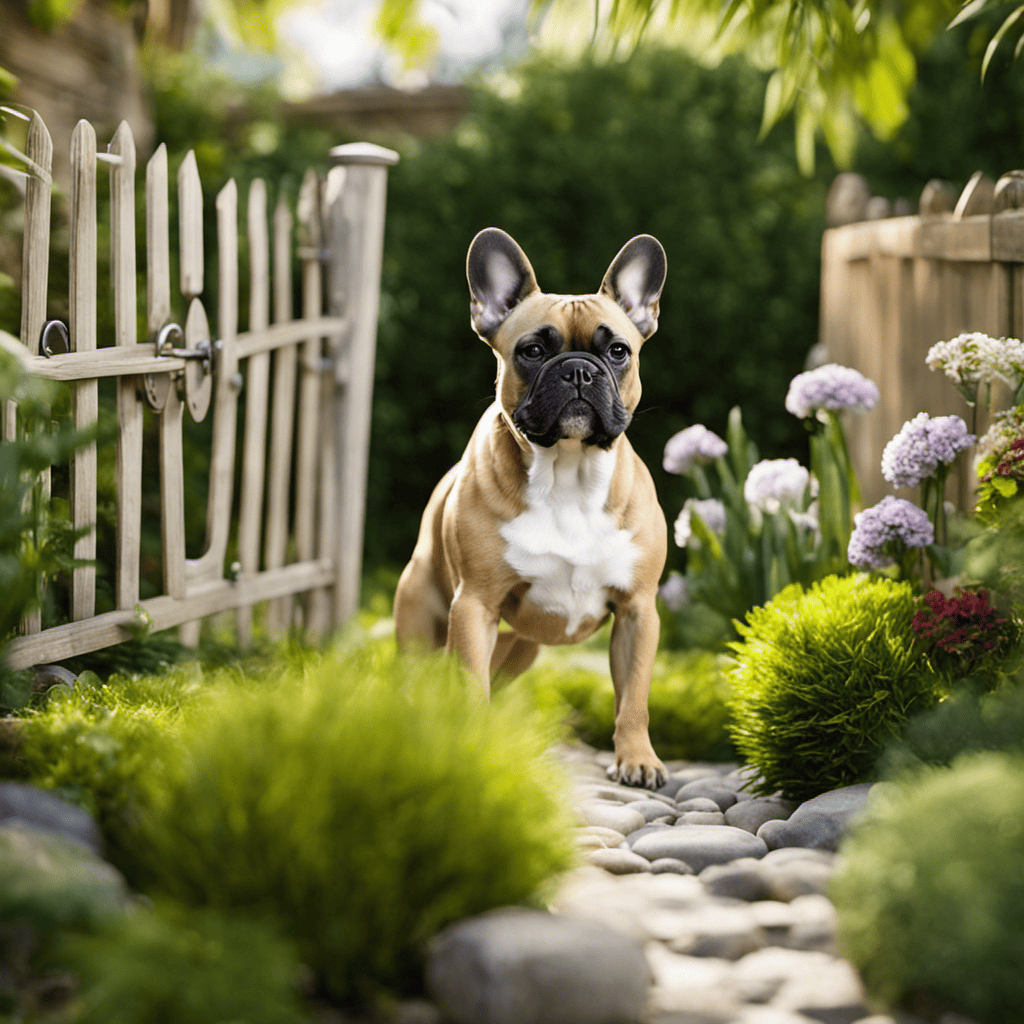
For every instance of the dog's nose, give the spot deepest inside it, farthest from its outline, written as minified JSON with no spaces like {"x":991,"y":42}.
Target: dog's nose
{"x":579,"y":374}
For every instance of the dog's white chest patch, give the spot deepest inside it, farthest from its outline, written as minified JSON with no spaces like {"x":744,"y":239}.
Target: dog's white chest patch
{"x":565,"y":543}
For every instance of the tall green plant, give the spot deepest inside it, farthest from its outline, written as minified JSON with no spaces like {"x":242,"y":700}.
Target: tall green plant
{"x":36,"y":540}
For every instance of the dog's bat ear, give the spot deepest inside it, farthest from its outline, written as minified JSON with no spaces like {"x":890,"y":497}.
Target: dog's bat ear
{"x":500,"y":277}
{"x":635,"y":279}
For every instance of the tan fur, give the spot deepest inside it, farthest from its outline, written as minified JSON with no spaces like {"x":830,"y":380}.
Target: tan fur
{"x":458,"y":590}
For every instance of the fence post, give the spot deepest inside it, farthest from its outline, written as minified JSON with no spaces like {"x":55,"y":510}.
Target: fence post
{"x":356,"y":243}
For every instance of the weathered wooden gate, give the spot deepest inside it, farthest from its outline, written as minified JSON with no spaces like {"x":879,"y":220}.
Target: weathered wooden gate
{"x":305,"y":439}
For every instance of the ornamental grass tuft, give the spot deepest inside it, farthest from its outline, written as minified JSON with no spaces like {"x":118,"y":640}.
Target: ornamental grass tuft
{"x":931,"y":893}
{"x":360,"y":804}
{"x":823,"y":679}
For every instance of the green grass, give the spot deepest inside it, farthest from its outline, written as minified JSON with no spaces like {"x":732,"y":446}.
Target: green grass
{"x":356,"y":801}
{"x":687,"y":703}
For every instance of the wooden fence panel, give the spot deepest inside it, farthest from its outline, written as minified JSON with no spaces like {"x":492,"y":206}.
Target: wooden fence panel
{"x":891,"y":289}
{"x":316,"y":419}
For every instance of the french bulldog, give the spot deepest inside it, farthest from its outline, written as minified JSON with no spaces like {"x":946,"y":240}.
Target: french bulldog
{"x":550,"y":523}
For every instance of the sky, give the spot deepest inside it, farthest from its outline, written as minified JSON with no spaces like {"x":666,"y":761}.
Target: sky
{"x":340,"y":50}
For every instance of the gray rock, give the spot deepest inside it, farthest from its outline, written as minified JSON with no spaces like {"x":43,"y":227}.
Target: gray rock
{"x":619,"y":862}
{"x":687,"y":775}
{"x":739,"y":880}
{"x":712,"y":789}
{"x":795,"y":878}
{"x":516,"y":966}
{"x":815,"y":925}
{"x":689,"y":989}
{"x":819,"y":823}
{"x":741,"y":778}
{"x":701,"y":818}
{"x":43,"y":810}
{"x":53,"y":883}
{"x":696,"y":803}
{"x":723,"y":930}
{"x":654,"y":826}
{"x":752,"y":814}
{"x":608,"y":814}
{"x":652,"y":809}
{"x":761,"y":974}
{"x":670,"y":866}
{"x":606,"y":836}
{"x":833,"y":995}
{"x":699,"y":845}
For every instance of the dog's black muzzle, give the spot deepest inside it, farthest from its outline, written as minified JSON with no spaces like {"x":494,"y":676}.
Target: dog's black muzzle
{"x":576,"y":395}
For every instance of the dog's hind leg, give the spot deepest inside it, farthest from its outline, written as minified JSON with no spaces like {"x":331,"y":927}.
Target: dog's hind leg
{"x":512,"y":656}
{"x":421,"y":611}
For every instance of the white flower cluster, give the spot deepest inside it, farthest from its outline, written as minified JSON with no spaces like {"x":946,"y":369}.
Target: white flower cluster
{"x":712,"y":514}
{"x":776,"y":483}
{"x":831,"y":387}
{"x":975,"y":358}
{"x":922,"y":443}
{"x":694,"y":446}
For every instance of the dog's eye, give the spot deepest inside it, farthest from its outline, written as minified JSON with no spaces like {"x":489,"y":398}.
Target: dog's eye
{"x":532,"y":351}
{"x":618,"y":351}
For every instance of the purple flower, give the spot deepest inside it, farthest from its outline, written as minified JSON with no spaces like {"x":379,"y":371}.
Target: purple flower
{"x":915,"y":452}
{"x":673,"y":592}
{"x":712,"y":514}
{"x":881,"y":532}
{"x":774,"y":483}
{"x":694,"y":446}
{"x":832,"y":387}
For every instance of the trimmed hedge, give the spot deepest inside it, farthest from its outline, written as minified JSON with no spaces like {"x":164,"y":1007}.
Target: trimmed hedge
{"x":824,"y":678}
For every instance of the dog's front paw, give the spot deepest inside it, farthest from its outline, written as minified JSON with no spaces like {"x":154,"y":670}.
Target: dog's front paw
{"x":642,"y":770}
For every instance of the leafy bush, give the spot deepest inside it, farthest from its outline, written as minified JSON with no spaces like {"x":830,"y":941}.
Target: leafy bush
{"x":687,"y":704}
{"x":359,"y":805}
{"x":931,"y":894}
{"x":968,"y":720}
{"x":173,"y":965}
{"x":824,"y":678}
{"x":35,"y":537}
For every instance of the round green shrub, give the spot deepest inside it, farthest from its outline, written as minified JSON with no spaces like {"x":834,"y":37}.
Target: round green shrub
{"x":823,"y":679}
{"x":360,"y":805}
{"x":931,"y":893}
{"x":687,"y":703}
{"x":174,"y":965}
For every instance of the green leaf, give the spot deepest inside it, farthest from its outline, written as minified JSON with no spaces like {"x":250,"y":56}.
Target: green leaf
{"x":969,"y":10}
{"x":1004,"y":485}
{"x":998,"y":37}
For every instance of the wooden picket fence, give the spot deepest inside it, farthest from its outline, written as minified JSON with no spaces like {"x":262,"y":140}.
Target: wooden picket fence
{"x":305,"y":437}
{"x":893,"y":287}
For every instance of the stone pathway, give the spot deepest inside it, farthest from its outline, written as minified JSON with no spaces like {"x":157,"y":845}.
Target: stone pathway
{"x":700,"y":904}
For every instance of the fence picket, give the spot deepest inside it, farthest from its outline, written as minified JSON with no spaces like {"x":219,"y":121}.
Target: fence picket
{"x":310,"y":246}
{"x":158,"y":313}
{"x":129,"y":404}
{"x":257,"y":382}
{"x":283,"y":416}
{"x":359,"y":218}
{"x":35,"y":270}
{"x":210,"y":565}
{"x":85,"y":396}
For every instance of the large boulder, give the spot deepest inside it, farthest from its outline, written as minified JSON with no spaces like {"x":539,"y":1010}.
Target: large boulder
{"x":517,"y":966}
{"x":819,"y":823}
{"x":31,"y":805}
